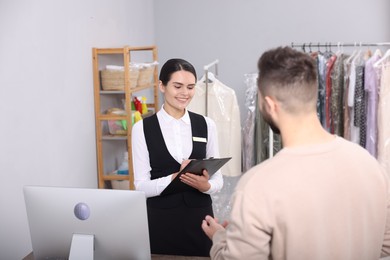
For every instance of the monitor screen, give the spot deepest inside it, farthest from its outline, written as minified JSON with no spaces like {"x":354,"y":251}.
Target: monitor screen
{"x":117,"y":219}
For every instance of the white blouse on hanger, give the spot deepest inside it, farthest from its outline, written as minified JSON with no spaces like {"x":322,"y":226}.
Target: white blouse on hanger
{"x":224,"y":110}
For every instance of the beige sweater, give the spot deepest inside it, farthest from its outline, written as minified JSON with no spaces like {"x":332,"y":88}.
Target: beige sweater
{"x":328,"y":201}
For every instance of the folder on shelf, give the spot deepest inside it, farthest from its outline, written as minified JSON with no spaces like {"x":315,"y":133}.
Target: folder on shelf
{"x":212,"y":165}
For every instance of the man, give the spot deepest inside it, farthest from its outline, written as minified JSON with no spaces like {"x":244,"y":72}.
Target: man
{"x":320,"y":197}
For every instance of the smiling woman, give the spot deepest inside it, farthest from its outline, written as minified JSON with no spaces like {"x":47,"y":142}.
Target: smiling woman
{"x":179,"y":90}
{"x":162,"y":145}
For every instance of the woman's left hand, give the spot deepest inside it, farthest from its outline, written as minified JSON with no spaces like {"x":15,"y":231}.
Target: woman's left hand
{"x":199,"y":182}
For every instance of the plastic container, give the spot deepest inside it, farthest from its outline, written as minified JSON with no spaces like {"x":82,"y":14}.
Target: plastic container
{"x":144,"y":105}
{"x":117,"y":127}
{"x":137,"y":116}
{"x":123,"y":169}
{"x":138,"y":104}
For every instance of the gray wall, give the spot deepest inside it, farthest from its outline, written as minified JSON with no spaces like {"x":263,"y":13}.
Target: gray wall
{"x":237,"y":32}
{"x":47,"y":134}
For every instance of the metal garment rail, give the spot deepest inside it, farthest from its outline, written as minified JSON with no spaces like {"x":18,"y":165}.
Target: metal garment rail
{"x":206,"y":73}
{"x":338,"y":44}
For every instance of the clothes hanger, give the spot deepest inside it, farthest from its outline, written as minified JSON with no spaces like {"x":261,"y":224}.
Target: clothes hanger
{"x":359,"y":55}
{"x":339,"y":49}
{"x":319,"y":49}
{"x":328,"y":49}
{"x":378,"y":52}
{"x":303,"y":47}
{"x":367,"y":53}
{"x":210,"y":77}
{"x":355,"y":51}
{"x":383,"y":59}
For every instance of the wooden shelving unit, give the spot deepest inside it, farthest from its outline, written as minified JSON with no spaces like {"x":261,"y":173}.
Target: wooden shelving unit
{"x":107,"y":161}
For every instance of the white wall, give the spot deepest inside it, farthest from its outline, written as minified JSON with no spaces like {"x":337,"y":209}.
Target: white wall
{"x":47,"y":134}
{"x":238,"y":32}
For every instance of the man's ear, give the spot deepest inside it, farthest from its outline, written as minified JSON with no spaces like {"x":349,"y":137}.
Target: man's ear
{"x":270,"y":105}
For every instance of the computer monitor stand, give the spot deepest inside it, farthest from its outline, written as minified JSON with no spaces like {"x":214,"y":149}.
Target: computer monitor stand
{"x":81,"y":247}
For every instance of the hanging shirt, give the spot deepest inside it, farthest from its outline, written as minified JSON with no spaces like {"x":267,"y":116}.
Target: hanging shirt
{"x":354,"y":130}
{"x":249,"y":145}
{"x":359,"y":107}
{"x":347,"y":109}
{"x":371,"y":85}
{"x":321,"y":67}
{"x":178,"y":139}
{"x":223,"y":108}
{"x":329,"y":68}
{"x":337,"y":93}
{"x":383,"y":118}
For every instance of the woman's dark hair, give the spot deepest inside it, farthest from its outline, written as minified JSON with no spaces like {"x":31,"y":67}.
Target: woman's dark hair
{"x":172,"y":66}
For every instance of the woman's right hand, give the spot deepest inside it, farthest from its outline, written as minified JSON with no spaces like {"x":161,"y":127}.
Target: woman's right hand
{"x":184,"y":163}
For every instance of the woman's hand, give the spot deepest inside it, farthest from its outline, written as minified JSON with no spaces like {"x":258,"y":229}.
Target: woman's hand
{"x":199,"y":182}
{"x":183,"y":164}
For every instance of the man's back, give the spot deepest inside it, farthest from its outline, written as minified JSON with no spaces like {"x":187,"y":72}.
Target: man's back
{"x":326,"y":201}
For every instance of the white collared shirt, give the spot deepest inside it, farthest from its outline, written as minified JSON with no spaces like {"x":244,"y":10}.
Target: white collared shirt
{"x":178,"y":139}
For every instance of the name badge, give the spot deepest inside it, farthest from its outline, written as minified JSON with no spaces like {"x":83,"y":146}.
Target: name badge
{"x":199,"y":139}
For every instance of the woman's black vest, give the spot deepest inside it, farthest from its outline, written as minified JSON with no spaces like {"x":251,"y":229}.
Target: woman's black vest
{"x":163,"y":164}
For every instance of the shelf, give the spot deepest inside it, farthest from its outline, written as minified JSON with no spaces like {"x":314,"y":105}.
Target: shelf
{"x":115,"y":177}
{"x":125,"y":49}
{"x":116,"y":92}
{"x":114,"y":137}
{"x":106,"y":117}
{"x":109,"y":150}
{"x":122,"y":92}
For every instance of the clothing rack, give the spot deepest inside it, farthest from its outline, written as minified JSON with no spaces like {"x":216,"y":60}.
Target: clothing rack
{"x":379,"y":60}
{"x":326,"y":45}
{"x":338,"y":44}
{"x":206,"y":73}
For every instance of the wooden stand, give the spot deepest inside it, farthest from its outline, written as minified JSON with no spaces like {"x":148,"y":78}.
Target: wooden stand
{"x":123,"y":57}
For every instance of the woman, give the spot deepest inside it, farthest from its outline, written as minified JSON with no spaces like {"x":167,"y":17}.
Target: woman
{"x":161,"y":146}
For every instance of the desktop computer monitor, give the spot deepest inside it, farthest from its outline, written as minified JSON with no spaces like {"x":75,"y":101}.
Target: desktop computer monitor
{"x":69,"y":222}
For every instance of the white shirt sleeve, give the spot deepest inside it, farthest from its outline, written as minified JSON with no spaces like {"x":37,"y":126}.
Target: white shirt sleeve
{"x":141,"y":165}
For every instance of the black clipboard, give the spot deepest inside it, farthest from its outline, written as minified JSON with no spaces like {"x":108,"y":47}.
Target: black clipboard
{"x":212,"y":165}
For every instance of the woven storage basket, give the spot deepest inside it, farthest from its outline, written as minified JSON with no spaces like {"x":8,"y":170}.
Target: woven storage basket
{"x":115,"y":79}
{"x":145,"y":77}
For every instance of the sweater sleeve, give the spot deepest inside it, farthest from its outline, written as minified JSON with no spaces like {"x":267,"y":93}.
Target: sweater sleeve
{"x":386,"y":238}
{"x":248,"y":233}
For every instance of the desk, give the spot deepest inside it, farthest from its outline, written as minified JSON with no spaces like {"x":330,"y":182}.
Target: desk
{"x":154,"y":257}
